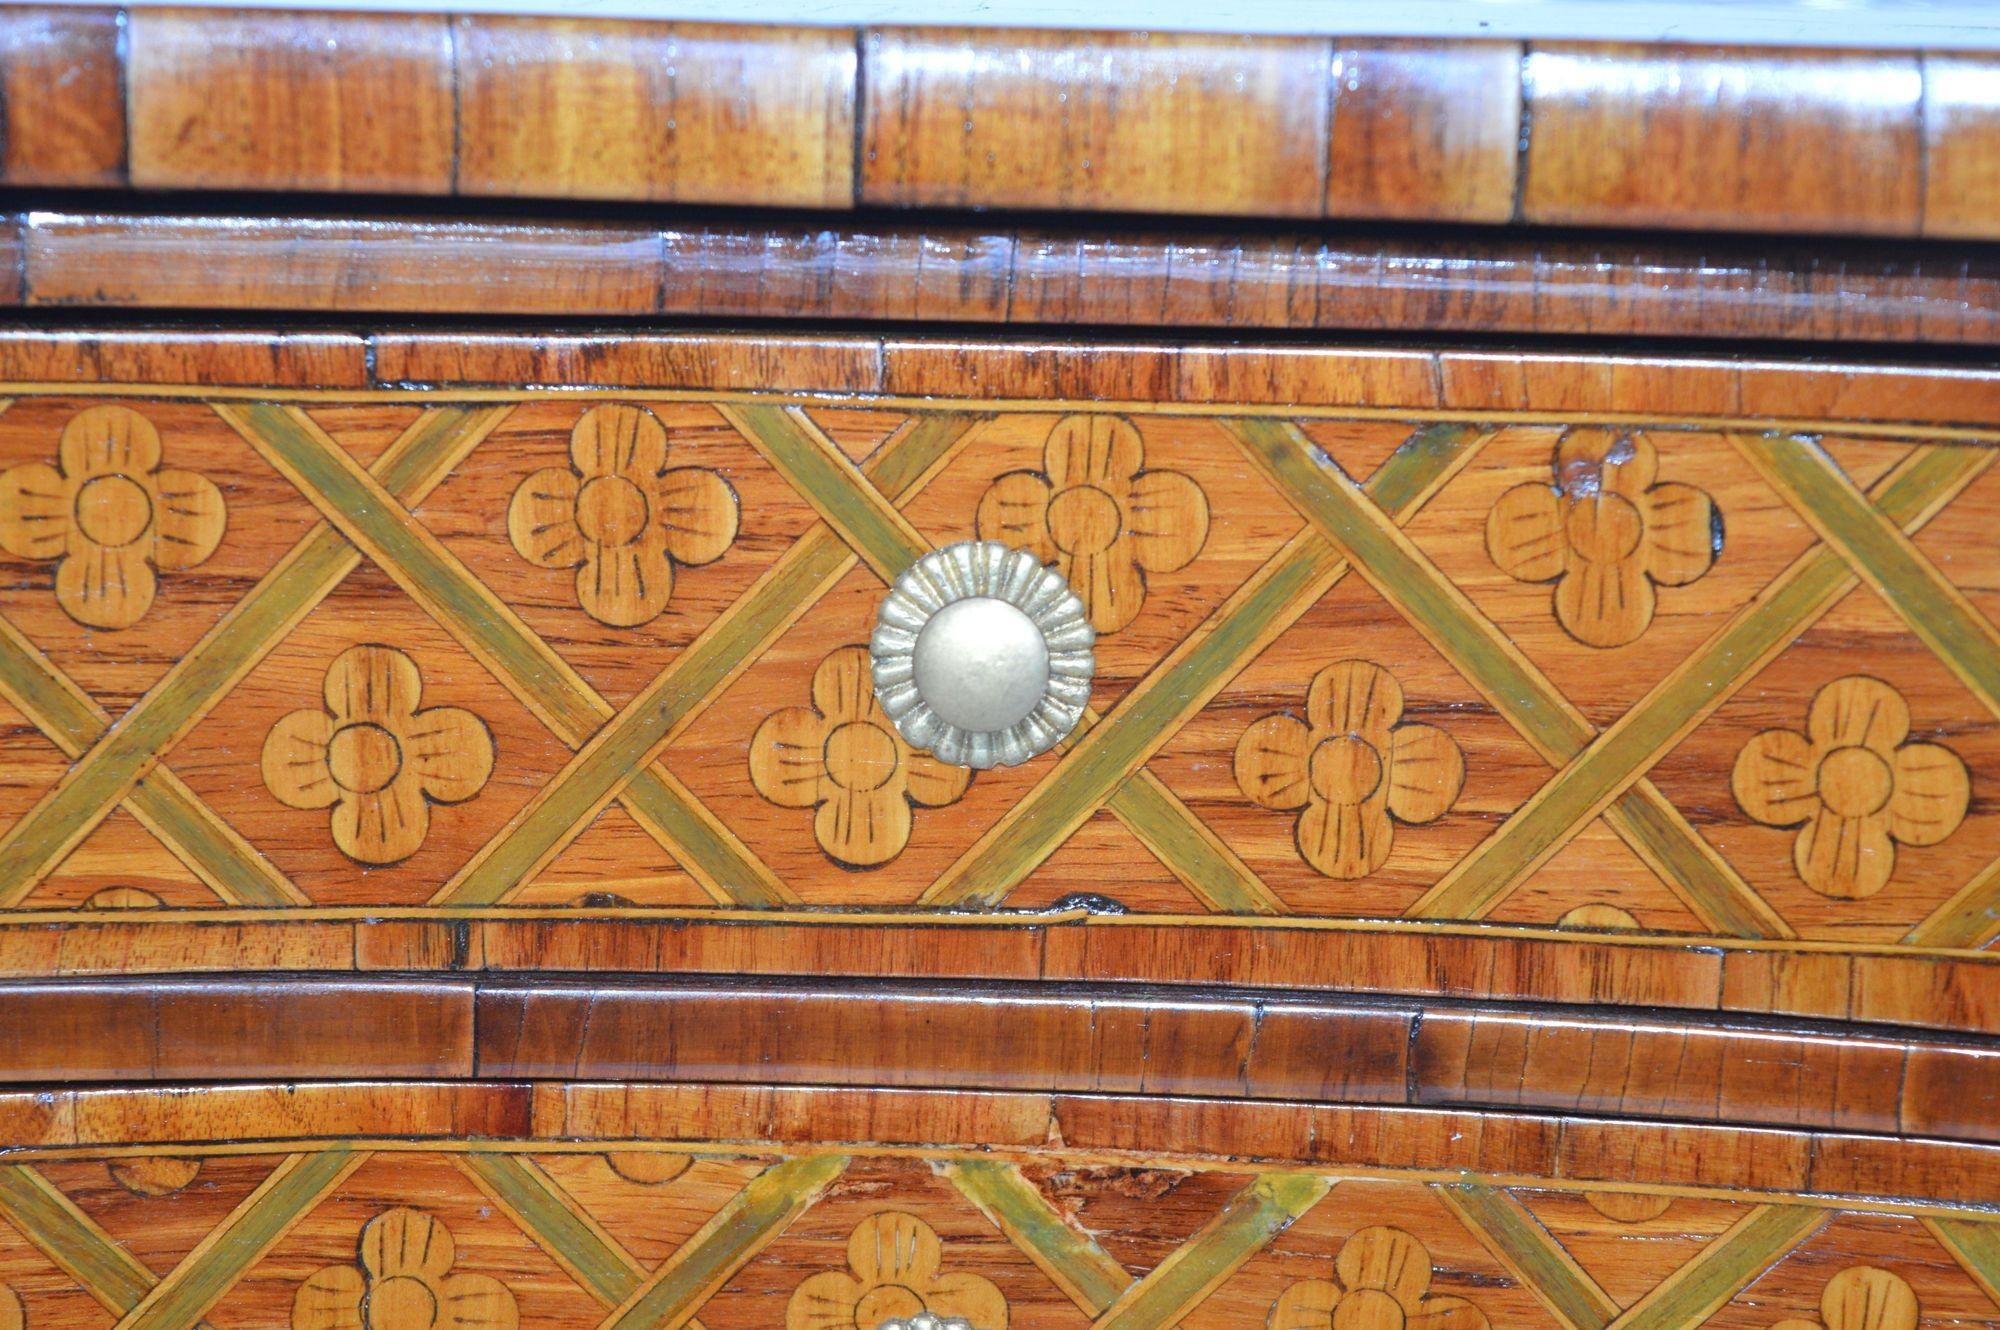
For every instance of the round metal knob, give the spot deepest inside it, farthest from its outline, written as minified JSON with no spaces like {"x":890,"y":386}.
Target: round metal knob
{"x":926,"y":1321}
{"x":982,"y":656}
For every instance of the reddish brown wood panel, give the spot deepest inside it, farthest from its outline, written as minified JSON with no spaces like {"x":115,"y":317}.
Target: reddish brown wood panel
{"x":224,"y":99}
{"x":1785,"y":140}
{"x":1143,"y":122}
{"x":62,"y":97}
{"x":680,"y":112}
{"x":1000,"y":275}
{"x":1827,"y":142}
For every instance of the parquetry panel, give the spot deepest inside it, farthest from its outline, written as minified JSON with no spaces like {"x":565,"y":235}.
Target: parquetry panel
{"x":447,"y":655}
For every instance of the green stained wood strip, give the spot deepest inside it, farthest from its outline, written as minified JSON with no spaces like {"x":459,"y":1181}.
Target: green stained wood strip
{"x":52,"y":1222}
{"x":1970,"y":918}
{"x":193,"y":830}
{"x":1514,"y":686}
{"x":1221,"y":881}
{"x":1531,"y":1253}
{"x":1724,"y":1268}
{"x":831,"y":487}
{"x":313,"y":567}
{"x":1084,"y":1270}
{"x":1976,"y":1248}
{"x":1105,"y":756}
{"x":170,"y":810}
{"x":608,"y":762}
{"x":431,"y":574}
{"x":1932,"y":607}
{"x":527,"y":1191}
{"x":1702,"y":684}
{"x":241,"y":1240}
{"x":1250,"y":1222}
{"x":737,"y":1232}
{"x":1707,"y":884}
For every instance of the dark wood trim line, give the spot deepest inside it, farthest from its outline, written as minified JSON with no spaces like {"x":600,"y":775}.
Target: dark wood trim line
{"x":1152,"y":375}
{"x":1043,"y":1038}
{"x":1573,"y":1151}
{"x":1001,"y":275}
{"x":1675,"y":137}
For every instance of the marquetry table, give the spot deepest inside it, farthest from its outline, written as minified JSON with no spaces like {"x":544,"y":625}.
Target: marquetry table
{"x":1468,"y":796}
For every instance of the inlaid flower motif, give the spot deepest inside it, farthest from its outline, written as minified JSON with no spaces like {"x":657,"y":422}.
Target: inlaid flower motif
{"x":1861,"y":1297}
{"x":403,"y":1281}
{"x":375,"y":757}
{"x":622,"y":517}
{"x":1606,"y":532}
{"x":893,"y":1273}
{"x":1852,"y":786}
{"x":1382,"y":1280}
{"x":154,"y":1175}
{"x":1351,"y":769}
{"x":1098,"y":515}
{"x":111,"y":514}
{"x":843,"y":757}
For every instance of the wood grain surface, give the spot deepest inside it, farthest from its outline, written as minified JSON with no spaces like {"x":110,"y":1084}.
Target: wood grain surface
{"x":1041,"y":1037}
{"x":1003,"y":275}
{"x":603,"y":1203}
{"x":1701,"y":705}
{"x":1682,"y":138}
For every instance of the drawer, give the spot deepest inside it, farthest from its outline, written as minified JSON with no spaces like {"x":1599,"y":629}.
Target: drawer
{"x":585,"y":1204}
{"x":1536,"y":676}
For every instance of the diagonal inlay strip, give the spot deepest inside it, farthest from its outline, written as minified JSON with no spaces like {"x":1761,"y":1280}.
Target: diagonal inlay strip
{"x":1494,"y":665}
{"x":738,"y":1231}
{"x":133,"y":744}
{"x":1724,"y":1268}
{"x":241,"y":1239}
{"x":1910,"y":494}
{"x":1530,"y":1254}
{"x":556,"y":1223}
{"x":67,"y":1236}
{"x":1071,"y":1258}
{"x":1101,"y":757}
{"x":1887,"y":559}
{"x":164,"y":805}
{"x":868,"y":521}
{"x":495,"y":635}
{"x":1250,"y":1222}
{"x":630,"y":741}
{"x":1976,"y":1248}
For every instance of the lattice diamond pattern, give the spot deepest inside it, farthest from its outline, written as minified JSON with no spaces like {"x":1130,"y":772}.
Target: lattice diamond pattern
{"x":1237,"y":552}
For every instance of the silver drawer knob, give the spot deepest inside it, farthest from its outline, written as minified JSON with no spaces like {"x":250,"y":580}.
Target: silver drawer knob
{"x":926,"y":1321}
{"x":982,"y":656}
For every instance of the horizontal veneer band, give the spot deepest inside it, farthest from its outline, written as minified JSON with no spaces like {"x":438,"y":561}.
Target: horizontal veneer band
{"x":1001,"y":275}
{"x":1097,"y":1039}
{"x":1880,"y":143}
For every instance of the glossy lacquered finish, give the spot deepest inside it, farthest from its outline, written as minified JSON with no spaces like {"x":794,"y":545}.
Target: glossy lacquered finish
{"x":954,"y":274}
{"x":1864,"y":143}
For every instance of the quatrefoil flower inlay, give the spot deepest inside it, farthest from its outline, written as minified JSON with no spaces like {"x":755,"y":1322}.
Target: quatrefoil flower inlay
{"x":1099,"y":515}
{"x":1606,"y":532}
{"x":621,"y":516}
{"x":111,"y":514}
{"x":1852,"y":786}
{"x":1382,"y":1282}
{"x":375,"y":758}
{"x":843,"y":758}
{"x":894,"y":1273}
{"x":403,"y":1282}
{"x":1862,"y":1297}
{"x":1349,"y":768}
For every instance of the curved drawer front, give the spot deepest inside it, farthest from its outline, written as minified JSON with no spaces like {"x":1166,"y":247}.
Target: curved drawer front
{"x":1590,"y":680}
{"x":618,"y":1205}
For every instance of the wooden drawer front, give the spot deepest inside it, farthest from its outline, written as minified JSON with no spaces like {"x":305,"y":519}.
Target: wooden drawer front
{"x":615,"y":1205}
{"x":359,"y":669}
